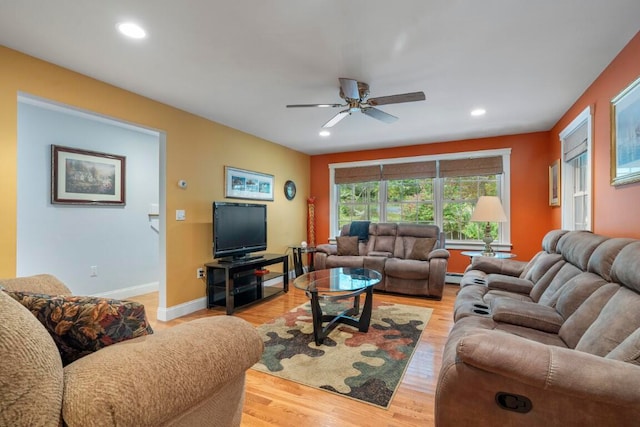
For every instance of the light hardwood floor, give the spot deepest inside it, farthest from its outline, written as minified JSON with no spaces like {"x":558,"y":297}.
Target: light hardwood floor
{"x":271,"y":401}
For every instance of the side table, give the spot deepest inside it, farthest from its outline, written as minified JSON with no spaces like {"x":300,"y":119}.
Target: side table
{"x":298,"y":265}
{"x":497,"y":255}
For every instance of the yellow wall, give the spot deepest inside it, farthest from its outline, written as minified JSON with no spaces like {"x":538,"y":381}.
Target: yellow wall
{"x":196,"y":150}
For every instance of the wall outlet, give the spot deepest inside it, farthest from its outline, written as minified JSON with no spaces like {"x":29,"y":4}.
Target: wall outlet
{"x":94,"y":271}
{"x":200,"y":273}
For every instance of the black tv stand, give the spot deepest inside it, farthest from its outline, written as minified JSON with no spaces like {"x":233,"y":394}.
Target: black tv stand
{"x":241,"y":282}
{"x":234,"y":260}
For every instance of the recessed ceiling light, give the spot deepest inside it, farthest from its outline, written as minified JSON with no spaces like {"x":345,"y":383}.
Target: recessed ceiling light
{"x":324,"y":133}
{"x":478,"y":112}
{"x":132,"y":30}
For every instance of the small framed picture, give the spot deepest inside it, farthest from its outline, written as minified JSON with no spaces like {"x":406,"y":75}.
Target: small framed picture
{"x":82,"y":177}
{"x":289,"y":190}
{"x":554,"y":183}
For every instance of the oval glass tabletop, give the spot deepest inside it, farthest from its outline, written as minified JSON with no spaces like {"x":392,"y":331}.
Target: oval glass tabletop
{"x":341,"y":279}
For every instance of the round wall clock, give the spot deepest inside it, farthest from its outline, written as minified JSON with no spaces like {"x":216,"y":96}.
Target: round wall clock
{"x":290,"y":190}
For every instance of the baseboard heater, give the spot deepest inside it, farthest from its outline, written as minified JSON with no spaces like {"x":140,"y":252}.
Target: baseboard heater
{"x":453,"y":278}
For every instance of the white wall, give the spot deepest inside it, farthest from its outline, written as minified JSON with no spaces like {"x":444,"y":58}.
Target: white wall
{"x":67,"y":240}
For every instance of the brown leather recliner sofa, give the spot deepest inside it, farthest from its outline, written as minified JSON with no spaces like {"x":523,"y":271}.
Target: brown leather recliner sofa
{"x":387,"y":250}
{"x":555,"y":341}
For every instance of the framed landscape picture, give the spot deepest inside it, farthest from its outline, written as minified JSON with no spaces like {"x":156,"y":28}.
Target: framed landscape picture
{"x":244,"y":184}
{"x":625,"y":135}
{"x":82,"y":177}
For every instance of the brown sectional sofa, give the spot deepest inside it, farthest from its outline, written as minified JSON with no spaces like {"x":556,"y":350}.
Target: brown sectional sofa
{"x":192,"y":374}
{"x":555,"y":341}
{"x":387,"y":250}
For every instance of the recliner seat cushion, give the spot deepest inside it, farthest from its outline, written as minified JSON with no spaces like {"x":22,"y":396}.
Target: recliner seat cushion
{"x":345,"y":261}
{"x":406,"y":268}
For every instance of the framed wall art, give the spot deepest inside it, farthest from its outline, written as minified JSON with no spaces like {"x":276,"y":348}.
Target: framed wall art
{"x":289,"y":190}
{"x":554,"y":183}
{"x":82,"y":177}
{"x":625,"y":135}
{"x":245,"y":184}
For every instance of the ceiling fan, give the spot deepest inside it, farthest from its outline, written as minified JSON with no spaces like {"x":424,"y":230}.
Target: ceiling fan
{"x":355,"y":93}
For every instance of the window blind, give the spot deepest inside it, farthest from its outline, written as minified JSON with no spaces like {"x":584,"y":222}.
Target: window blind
{"x":471,"y":167}
{"x":409,"y":170}
{"x":357,"y":174}
{"x":575,"y":143}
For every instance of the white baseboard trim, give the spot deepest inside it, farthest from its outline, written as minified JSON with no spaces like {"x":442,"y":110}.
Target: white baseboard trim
{"x":131,"y":291}
{"x":170,"y":313}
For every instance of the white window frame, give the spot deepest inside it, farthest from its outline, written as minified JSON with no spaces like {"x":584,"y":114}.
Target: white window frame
{"x":567,"y":172}
{"x":504,"y":238}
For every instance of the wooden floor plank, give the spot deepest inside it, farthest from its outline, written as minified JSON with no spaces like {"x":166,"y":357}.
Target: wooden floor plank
{"x":272,"y":401}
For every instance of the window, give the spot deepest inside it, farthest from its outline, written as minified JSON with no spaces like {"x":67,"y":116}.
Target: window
{"x":576,"y":173}
{"x":460,"y":197}
{"x":580,"y":194}
{"x":440,"y":190}
{"x":409,"y":200}
{"x":358,"y":202}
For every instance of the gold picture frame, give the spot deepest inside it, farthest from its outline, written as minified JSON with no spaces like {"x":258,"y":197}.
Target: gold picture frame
{"x":554,"y":183}
{"x":625,"y":135}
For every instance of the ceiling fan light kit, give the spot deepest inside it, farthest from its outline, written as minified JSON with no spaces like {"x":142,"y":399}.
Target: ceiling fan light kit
{"x":355,"y":94}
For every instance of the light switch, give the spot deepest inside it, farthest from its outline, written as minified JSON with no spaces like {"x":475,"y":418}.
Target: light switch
{"x":181,"y":215}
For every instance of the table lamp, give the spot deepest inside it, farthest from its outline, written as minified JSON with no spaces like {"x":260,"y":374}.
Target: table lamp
{"x":488,"y":209}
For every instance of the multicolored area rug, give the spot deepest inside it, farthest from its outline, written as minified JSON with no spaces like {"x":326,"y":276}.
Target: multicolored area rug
{"x":367,"y":366}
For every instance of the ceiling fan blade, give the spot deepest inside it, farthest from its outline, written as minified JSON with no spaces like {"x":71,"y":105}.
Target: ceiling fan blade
{"x":349,"y":88}
{"x":341,"y":115}
{"x":379,"y":114}
{"x":314,"y":105}
{"x":397,"y":99}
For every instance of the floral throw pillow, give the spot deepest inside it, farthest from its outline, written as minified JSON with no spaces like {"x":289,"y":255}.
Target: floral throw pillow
{"x":81,"y":325}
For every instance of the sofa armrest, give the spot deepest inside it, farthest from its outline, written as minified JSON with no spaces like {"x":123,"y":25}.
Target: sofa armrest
{"x":554,"y":369}
{"x":327,"y":248}
{"x":438,"y":253}
{"x":152,"y":379}
{"x":525,"y":313}
{"x":505,"y":282}
{"x":509,"y":267}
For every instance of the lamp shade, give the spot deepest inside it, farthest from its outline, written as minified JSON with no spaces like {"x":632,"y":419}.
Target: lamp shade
{"x":488,"y":209}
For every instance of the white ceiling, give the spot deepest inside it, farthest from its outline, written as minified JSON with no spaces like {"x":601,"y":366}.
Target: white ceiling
{"x":240,"y":62}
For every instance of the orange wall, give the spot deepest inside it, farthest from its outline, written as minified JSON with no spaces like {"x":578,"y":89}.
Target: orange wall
{"x":530,"y":212}
{"x":615,"y":209}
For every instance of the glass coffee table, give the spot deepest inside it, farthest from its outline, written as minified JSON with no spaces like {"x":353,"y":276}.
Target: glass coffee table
{"x":338,"y":284}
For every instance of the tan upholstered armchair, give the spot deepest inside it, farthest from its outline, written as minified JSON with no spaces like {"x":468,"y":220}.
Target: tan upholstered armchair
{"x":188,"y":375}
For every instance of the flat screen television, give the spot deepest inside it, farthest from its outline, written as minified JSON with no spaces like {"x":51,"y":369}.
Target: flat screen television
{"x":239,"y":229}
